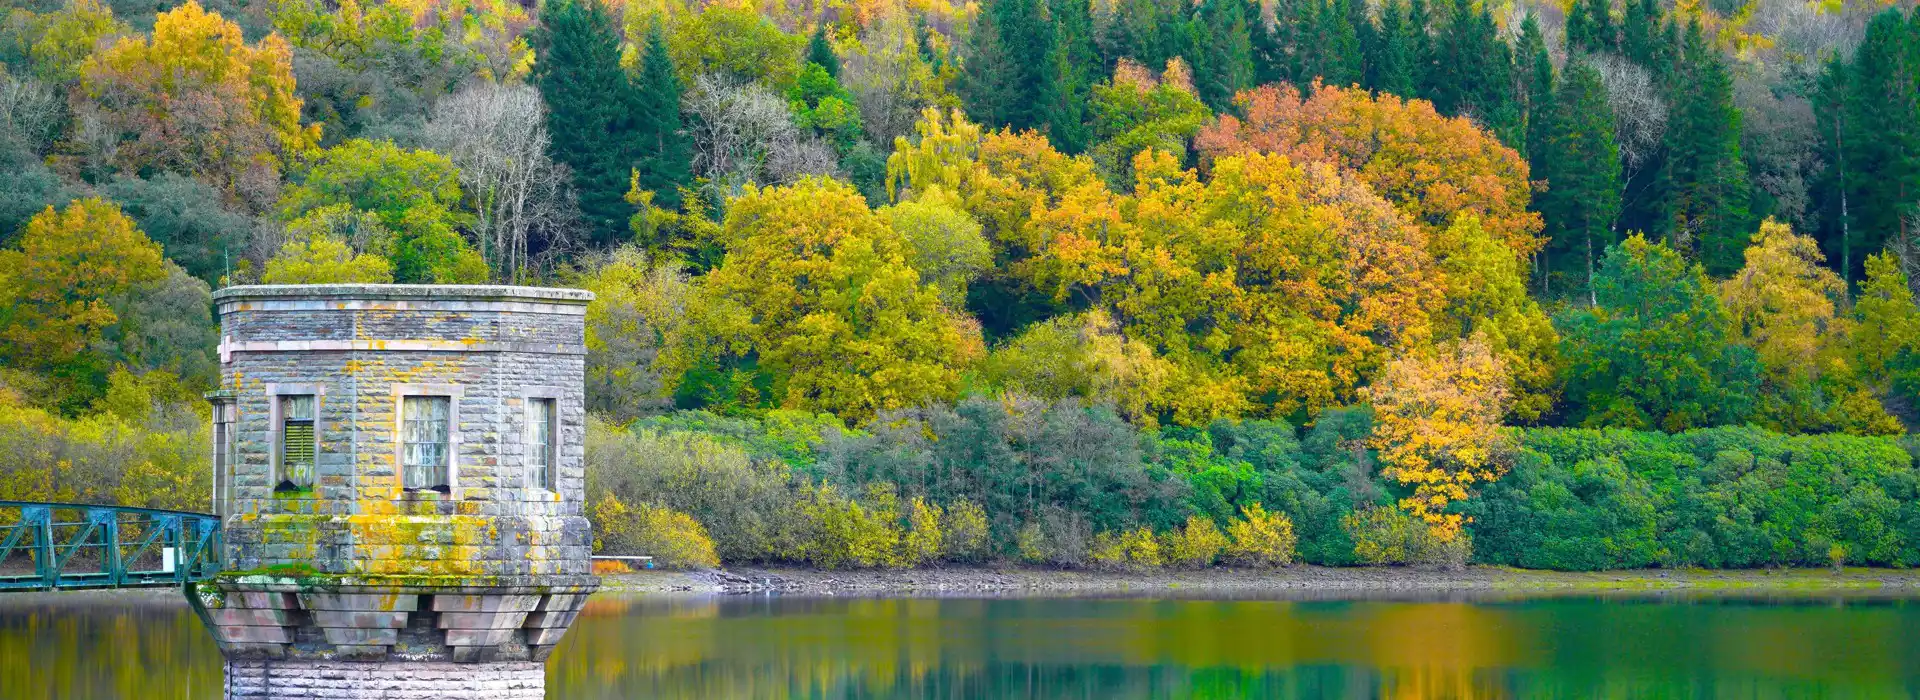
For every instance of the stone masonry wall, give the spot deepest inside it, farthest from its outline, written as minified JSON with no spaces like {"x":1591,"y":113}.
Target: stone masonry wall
{"x":357,"y":348}
{"x":358,"y":588}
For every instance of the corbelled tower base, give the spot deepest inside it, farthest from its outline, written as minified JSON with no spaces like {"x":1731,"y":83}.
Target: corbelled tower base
{"x":400,"y":475}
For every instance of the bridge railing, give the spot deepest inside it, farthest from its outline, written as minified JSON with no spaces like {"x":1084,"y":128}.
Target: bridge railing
{"x":45,"y":546}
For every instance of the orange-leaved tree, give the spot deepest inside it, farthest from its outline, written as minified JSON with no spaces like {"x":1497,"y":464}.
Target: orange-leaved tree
{"x":1451,"y":177}
{"x":1431,"y":167}
{"x":195,"y":98}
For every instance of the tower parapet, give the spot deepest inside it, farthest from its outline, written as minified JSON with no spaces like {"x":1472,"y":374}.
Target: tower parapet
{"x":399,"y":470}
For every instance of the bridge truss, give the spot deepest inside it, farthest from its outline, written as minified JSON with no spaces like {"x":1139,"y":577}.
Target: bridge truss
{"x":49,"y":546}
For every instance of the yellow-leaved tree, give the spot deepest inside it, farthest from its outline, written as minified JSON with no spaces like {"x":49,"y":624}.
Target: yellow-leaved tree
{"x":195,"y":98}
{"x":1437,"y":427}
{"x":1277,"y":288}
{"x":66,"y":291}
{"x":1784,"y":305}
{"x":324,"y":259}
{"x":816,"y":307}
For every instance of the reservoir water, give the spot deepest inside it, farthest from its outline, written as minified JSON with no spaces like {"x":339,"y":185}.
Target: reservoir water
{"x":149,"y":645}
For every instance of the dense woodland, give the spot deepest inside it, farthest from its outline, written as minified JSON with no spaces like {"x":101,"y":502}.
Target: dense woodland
{"x":1128,"y":283}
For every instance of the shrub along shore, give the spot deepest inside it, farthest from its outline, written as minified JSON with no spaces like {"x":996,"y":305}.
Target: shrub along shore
{"x":1073,"y":486}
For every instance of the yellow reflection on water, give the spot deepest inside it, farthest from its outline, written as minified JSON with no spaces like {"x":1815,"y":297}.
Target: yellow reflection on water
{"x":670,"y":648}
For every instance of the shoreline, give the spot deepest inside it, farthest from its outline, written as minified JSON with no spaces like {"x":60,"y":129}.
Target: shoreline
{"x":1313,"y":581}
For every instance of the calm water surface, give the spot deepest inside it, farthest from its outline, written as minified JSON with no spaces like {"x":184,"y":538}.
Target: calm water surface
{"x":121,"y":645}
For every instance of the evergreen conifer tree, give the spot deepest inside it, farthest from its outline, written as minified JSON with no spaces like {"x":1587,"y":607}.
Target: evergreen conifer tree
{"x":666,"y":156}
{"x":1390,"y":69}
{"x":1068,"y":88}
{"x":1577,"y":157}
{"x":1590,"y":27}
{"x":1881,"y":108}
{"x":1641,"y":38}
{"x":820,"y":52}
{"x":1421,"y":49}
{"x":1473,"y":72}
{"x":1705,"y":178}
{"x":1225,"y":62}
{"x":594,"y":114}
{"x":1270,"y":44}
{"x":1009,"y":65}
{"x":1536,"y":82}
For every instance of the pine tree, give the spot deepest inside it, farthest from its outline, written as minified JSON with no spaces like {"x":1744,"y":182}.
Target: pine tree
{"x":1641,"y":38}
{"x":1420,"y":30}
{"x":1590,"y":27}
{"x":1009,"y":65}
{"x":820,"y":52}
{"x":1270,"y":42}
{"x":1390,"y":69}
{"x":1576,"y":157}
{"x":1333,"y":52}
{"x":1705,"y":178}
{"x":1536,"y":82}
{"x":666,"y":156}
{"x":592,"y":110}
{"x":1069,"y":86}
{"x":1473,"y":72}
{"x":1882,"y":133}
{"x":1224,"y":65}
{"x":1366,"y":37}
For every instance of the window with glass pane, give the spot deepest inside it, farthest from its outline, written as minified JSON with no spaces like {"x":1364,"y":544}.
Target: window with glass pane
{"x":545,"y":460}
{"x":296,"y":442}
{"x":424,"y":451}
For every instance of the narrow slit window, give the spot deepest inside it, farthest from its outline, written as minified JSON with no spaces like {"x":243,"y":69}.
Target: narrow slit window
{"x":546,"y":460}
{"x":424,"y":448}
{"x":296,"y":442}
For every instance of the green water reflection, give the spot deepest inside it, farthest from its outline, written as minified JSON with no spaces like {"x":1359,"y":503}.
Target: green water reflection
{"x":129,"y":646}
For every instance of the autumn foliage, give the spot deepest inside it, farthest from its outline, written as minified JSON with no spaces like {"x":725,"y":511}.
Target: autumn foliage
{"x":199,"y":99}
{"x":1437,"y":426}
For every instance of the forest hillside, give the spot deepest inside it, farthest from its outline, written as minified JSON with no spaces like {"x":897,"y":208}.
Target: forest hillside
{"x":1120,"y":283}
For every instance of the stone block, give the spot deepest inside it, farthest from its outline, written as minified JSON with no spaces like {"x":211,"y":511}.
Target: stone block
{"x":361,"y":636}
{"x":550,"y":619}
{"x":485,"y":603}
{"x":478,"y":637}
{"x":253,"y":635}
{"x":545,"y":636}
{"x":263,"y":599}
{"x":481,"y":621}
{"x":383,"y":602}
{"x":360,"y":618}
{"x":241,"y":617}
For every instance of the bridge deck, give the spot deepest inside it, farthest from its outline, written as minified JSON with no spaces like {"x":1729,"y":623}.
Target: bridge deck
{"x":55,"y":546}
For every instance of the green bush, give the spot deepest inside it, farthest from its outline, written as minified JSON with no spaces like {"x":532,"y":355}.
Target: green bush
{"x":1734,"y":497}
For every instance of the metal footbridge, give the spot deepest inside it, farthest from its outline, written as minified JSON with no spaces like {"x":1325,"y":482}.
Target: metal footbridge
{"x":58,"y":546}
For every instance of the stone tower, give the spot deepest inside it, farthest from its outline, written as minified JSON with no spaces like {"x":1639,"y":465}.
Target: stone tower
{"x":400,"y":473}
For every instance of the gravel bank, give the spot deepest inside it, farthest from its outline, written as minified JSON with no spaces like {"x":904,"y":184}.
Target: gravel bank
{"x":1311,"y":581}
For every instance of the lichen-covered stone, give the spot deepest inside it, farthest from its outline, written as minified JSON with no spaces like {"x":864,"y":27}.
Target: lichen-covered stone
{"x":357,"y":575}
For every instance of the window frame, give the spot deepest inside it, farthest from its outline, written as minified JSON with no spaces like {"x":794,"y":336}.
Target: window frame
{"x":452,"y":393}
{"x":533,"y":482}
{"x":226,"y":420}
{"x":276,"y":426}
